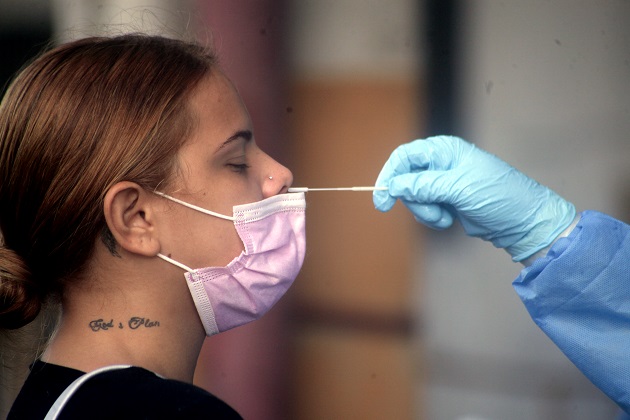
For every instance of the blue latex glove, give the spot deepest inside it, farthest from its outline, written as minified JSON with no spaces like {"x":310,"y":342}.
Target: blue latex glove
{"x":443,"y":178}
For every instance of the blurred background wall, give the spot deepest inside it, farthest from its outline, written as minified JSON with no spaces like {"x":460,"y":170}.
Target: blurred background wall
{"x":544,"y":85}
{"x":389,"y":319}
{"x":354,"y":97}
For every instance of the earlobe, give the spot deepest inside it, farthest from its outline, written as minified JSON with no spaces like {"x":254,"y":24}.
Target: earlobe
{"x":128,"y":214}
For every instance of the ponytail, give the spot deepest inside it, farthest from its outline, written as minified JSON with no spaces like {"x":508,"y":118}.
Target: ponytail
{"x":20,"y":299}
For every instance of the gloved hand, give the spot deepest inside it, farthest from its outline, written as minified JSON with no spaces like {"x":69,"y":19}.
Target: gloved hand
{"x":443,"y":178}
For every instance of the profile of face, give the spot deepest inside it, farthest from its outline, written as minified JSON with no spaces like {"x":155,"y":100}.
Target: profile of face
{"x":218,"y":167}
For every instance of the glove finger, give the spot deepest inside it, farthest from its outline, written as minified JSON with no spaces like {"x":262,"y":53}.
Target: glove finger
{"x":433,"y":153}
{"x":432,"y":215}
{"x":382,"y":200}
{"x":440,"y":152}
{"x":428,"y":187}
{"x":397,"y":164}
{"x":405,"y":159}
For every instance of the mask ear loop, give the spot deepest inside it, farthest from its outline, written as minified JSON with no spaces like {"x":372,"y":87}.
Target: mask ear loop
{"x":192,"y":206}
{"x":177,"y":263}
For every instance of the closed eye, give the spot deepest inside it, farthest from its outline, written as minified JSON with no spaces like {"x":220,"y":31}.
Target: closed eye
{"x":239,"y":167}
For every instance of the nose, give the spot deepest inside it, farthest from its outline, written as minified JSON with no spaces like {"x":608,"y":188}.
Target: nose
{"x":277,"y":178}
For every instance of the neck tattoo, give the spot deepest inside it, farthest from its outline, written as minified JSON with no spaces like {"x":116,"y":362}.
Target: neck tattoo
{"x":133,"y":323}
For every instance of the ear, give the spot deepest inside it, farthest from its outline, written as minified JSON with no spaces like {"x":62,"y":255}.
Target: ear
{"x":129,"y":216}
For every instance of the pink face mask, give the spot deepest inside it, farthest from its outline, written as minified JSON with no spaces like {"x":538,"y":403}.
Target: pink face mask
{"x":273,"y":233}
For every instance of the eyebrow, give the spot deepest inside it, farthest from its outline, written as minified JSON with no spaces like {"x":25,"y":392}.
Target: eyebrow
{"x":242,"y":134}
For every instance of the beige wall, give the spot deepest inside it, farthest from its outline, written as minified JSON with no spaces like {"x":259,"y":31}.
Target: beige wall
{"x":353,"y":333}
{"x":354,"y":97}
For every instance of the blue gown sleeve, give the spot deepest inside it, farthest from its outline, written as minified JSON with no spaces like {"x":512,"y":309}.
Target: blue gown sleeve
{"x":579,"y":295}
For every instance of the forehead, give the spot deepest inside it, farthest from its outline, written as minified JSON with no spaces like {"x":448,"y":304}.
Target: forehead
{"x":218,"y":115}
{"x":217,"y":105}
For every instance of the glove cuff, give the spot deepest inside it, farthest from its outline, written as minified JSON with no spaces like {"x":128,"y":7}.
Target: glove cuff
{"x":525,"y":251}
{"x":543,"y":252}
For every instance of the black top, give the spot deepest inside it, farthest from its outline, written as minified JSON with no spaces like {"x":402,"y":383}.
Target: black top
{"x":132,"y":393}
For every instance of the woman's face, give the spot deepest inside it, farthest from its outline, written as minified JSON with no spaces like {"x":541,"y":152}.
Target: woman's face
{"x":219,"y":167}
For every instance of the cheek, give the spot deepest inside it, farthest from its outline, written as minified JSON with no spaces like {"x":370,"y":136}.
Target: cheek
{"x":223,"y":245}
{"x":247,"y":190}
{"x":206,"y":241}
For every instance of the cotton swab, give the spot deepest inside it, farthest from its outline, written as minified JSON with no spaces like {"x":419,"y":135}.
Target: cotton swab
{"x":305,"y":189}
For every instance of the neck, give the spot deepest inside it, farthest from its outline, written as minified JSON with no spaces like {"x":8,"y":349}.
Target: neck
{"x":160,"y":332}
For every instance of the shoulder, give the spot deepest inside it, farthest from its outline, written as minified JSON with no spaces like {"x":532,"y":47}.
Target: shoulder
{"x":139,"y":393}
{"x":132,"y":393}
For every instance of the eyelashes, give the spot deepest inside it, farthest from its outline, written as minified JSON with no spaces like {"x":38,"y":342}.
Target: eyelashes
{"x":239,"y":167}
